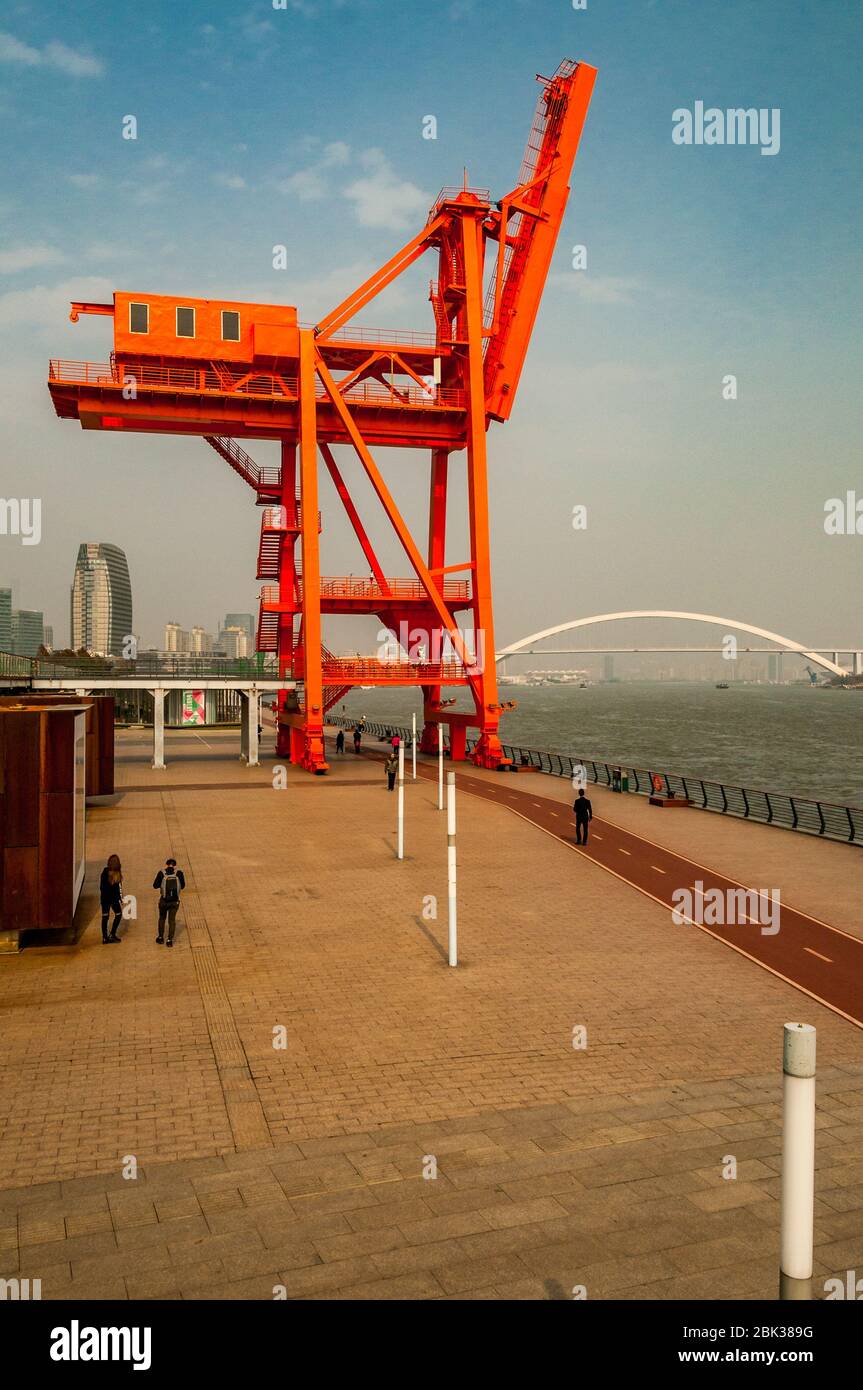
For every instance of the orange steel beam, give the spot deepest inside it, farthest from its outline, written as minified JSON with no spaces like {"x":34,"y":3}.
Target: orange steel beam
{"x":566,"y":97}
{"x":354,"y":517}
{"x":377,"y":282}
{"x":398,"y":524}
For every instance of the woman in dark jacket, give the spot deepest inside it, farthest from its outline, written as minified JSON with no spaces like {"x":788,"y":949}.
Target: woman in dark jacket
{"x":111,"y":897}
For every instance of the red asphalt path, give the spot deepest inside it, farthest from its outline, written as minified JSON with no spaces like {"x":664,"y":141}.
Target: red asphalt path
{"x":822,"y":961}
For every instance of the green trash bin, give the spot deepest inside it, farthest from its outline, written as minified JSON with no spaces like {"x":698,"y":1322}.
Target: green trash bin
{"x":624,"y":782}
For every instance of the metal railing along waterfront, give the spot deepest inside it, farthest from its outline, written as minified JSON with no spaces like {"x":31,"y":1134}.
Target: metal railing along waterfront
{"x":790,"y":812}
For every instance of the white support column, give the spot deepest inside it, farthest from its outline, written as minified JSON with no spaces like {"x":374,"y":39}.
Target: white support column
{"x":440,"y":767}
{"x":414,"y":746}
{"x":244,"y":725}
{"x":797,"y":1198}
{"x":401,"y":850}
{"x":158,"y":727}
{"x":254,"y":720}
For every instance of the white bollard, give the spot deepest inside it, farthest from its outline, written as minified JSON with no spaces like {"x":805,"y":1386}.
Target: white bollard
{"x":414,"y":746}
{"x":450,"y":867}
{"x":401,"y":800}
{"x":439,"y":768}
{"x":797,"y":1201}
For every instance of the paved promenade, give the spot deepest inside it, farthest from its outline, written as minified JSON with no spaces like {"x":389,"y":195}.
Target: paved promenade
{"x":303,"y":1164}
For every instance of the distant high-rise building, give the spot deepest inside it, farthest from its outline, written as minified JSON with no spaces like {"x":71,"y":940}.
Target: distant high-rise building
{"x":48,"y":637}
{"x":176,"y":638}
{"x":235,"y":642}
{"x":5,"y":620}
{"x":201,"y":642}
{"x":243,"y":620}
{"x":28,"y":631}
{"x":101,"y":599}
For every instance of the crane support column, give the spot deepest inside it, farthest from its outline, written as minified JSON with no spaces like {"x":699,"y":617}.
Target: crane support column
{"x":437,"y":559}
{"x":287,"y":571}
{"x":488,"y":751}
{"x":307,"y":736}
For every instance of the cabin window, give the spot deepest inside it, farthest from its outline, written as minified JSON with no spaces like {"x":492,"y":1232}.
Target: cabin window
{"x":139,"y":318}
{"x":185,"y":323}
{"x":230,"y":326}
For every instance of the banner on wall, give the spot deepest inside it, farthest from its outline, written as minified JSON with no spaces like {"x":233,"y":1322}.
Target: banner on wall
{"x":194,"y":707}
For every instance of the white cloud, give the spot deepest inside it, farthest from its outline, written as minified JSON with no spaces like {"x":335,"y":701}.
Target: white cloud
{"x":310,"y":185}
{"x":13,"y":51}
{"x":83,"y":180}
{"x":26,"y":257}
{"x":381,"y":199}
{"x":47,"y":306}
{"x":53,"y":55}
{"x":307,"y":185}
{"x":57,"y":55}
{"x":335,"y":153}
{"x":229,"y":180}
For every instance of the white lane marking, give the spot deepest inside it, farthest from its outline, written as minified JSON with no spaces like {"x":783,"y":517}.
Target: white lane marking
{"x":684,"y":859}
{"x":818,"y":954}
{"x":656,"y":869}
{"x":554,"y":813}
{"x":597,"y":837}
{"x":576,"y":849}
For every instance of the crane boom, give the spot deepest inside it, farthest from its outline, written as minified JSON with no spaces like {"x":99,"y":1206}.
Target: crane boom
{"x":527,"y":227}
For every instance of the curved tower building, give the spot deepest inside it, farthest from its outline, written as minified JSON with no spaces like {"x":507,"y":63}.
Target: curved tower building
{"x":101,"y":599}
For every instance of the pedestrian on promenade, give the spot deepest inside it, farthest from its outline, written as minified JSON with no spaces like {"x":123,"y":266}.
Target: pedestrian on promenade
{"x":358,"y":738}
{"x":391,"y":767}
{"x":170,"y":882}
{"x":583,"y":816}
{"x":111,"y":897}
{"x":396,"y":741}
{"x":340,"y":741}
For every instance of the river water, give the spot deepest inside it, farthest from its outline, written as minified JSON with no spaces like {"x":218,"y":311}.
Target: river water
{"x":798,"y":739}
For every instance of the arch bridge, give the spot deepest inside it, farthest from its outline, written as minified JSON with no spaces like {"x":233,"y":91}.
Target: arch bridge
{"x":783,"y":643}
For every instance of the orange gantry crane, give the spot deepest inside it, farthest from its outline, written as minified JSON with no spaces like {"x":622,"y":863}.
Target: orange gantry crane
{"x":226,"y":370}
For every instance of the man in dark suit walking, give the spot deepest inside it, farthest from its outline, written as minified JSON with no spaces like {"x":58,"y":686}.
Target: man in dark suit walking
{"x":583,"y":816}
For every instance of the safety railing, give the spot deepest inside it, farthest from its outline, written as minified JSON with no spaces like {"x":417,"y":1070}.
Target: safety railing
{"x":12,"y":665}
{"x":407,"y":337}
{"x":790,"y":812}
{"x":208,"y":380}
{"x":370,"y":670}
{"x":454,"y":590}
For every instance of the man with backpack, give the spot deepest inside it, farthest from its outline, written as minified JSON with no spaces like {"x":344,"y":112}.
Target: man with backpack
{"x":170,"y":881}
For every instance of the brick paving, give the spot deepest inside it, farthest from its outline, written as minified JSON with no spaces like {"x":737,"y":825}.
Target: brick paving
{"x":302,"y":1167}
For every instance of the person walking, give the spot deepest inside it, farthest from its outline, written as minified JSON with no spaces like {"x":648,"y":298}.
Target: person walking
{"x":391,"y":767}
{"x":170,"y":882}
{"x":111,"y":897}
{"x":583,"y":816}
{"x":340,"y":741}
{"x":358,"y":738}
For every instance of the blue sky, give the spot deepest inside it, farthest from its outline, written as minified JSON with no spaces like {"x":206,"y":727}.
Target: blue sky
{"x":304,"y":127}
